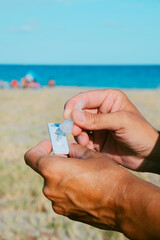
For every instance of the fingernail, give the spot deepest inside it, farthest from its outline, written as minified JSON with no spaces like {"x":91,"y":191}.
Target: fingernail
{"x":67,"y":113}
{"x":80,"y":116}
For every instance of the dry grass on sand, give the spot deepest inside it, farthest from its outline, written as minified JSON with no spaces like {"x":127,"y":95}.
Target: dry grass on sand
{"x":24,"y":212}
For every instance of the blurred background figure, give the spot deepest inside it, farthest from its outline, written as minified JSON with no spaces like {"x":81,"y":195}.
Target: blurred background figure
{"x":30,"y":81}
{"x":4,"y":84}
{"x":51,"y":83}
{"x":14,"y":83}
{"x":34,"y":84}
{"x":24,"y":82}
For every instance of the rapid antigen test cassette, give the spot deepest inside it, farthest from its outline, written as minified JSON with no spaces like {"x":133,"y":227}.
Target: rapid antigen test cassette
{"x":57,"y":132}
{"x":58,"y":139}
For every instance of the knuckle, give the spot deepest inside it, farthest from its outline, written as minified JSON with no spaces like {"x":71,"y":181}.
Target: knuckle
{"x":58,"y":210}
{"x":120,"y":93}
{"x":47,"y":192}
{"x":115,"y":91}
{"x":52,"y":171}
{"x":125,"y":116}
{"x":123,"y":97}
{"x":93,"y":120}
{"x":44,"y":168}
{"x":28,"y":155}
{"x":88,"y":153}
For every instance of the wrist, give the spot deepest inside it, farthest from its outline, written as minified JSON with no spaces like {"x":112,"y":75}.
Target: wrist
{"x":138,"y":215}
{"x":126,"y":214}
{"x":153,"y":159}
{"x":121,"y":199}
{"x":123,"y":203}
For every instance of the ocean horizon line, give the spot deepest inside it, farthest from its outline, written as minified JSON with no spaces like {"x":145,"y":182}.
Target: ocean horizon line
{"x":83,"y":65}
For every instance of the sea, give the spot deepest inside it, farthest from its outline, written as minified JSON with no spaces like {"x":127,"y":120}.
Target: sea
{"x":105,"y":76}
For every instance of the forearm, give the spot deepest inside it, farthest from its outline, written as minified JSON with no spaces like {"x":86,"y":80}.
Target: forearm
{"x":152,"y":162}
{"x":139,"y":215}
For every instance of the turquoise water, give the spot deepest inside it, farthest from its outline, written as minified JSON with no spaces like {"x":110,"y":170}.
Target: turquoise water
{"x":92,"y":76}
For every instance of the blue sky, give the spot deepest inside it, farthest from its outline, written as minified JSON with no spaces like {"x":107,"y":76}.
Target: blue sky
{"x":80,"y":31}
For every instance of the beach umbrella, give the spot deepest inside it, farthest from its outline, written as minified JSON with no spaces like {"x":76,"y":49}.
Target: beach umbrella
{"x":30,"y":76}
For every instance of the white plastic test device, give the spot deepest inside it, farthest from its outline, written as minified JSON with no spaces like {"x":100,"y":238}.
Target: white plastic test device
{"x":57,"y":132}
{"x":58,"y":139}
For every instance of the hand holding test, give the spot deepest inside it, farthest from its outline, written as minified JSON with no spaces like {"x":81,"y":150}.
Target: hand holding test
{"x":57,"y":132}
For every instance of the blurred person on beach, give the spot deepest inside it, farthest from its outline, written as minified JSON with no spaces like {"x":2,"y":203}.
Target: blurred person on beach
{"x":4,"y":84}
{"x":29,"y":81}
{"x":51,"y":83}
{"x":24,"y":82}
{"x":14,"y":83}
{"x":34,"y":84}
{"x":92,"y":184}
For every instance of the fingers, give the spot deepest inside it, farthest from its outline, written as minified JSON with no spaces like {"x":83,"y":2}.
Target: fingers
{"x":108,"y":100}
{"x":89,"y":121}
{"x":78,"y":151}
{"x":83,"y":139}
{"x":93,"y":99}
{"x":35,"y":157}
{"x":76,"y":130}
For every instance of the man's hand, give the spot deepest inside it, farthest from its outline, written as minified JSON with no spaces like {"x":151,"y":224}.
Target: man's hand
{"x":90,"y":188}
{"x":86,"y":187}
{"x":118,"y":129}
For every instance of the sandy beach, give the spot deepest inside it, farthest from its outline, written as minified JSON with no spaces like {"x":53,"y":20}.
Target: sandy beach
{"x":24,"y":212}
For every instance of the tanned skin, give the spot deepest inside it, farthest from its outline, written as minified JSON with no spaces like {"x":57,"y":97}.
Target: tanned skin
{"x":92,"y":184}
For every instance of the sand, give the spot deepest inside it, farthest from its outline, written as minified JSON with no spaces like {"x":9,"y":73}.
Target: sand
{"x":24,"y":212}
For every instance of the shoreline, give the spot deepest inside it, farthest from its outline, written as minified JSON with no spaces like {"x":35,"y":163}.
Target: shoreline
{"x":42,"y":87}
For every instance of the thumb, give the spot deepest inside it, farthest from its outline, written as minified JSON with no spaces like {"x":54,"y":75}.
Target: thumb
{"x":90,"y":121}
{"x":36,"y":155}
